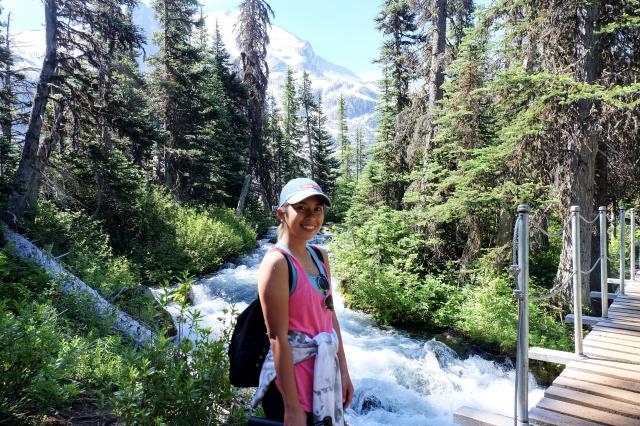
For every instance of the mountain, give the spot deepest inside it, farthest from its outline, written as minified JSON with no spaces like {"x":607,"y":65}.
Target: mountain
{"x":327,"y":79}
{"x":285,"y":50}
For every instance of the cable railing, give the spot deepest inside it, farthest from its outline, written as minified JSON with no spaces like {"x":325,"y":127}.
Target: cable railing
{"x":519,"y":269}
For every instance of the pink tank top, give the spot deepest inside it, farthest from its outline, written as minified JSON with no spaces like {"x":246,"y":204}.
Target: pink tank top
{"x":307,"y":315}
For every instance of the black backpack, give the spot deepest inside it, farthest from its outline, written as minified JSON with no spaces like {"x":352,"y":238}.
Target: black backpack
{"x":249,"y":342}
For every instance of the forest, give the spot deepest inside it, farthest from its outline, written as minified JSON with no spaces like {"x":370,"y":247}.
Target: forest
{"x":139,"y":177}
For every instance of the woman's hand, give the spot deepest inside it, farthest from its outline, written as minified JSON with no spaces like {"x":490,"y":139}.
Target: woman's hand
{"x":295,"y":417}
{"x":347,"y":388}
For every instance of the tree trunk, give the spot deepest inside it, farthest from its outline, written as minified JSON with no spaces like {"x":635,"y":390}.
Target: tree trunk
{"x":434,"y":86}
{"x":42,"y":157}
{"x":576,"y":175}
{"x":122,"y":321}
{"x":601,"y":199}
{"x":474,"y":230}
{"x":24,"y":177}
{"x":436,"y":72}
{"x":242,"y":201}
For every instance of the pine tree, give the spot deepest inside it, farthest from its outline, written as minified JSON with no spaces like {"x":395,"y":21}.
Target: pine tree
{"x":291,"y":129}
{"x":12,"y":108}
{"x":308,"y":106}
{"x":346,"y":151}
{"x":324,"y":158}
{"x":252,"y":39}
{"x":235,"y":138}
{"x":279,"y":152}
{"x":359,"y":156}
{"x":80,"y":37}
{"x":173,"y":79}
{"x":397,"y":21}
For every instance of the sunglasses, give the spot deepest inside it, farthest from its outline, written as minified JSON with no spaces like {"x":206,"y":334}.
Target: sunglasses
{"x":323,"y":285}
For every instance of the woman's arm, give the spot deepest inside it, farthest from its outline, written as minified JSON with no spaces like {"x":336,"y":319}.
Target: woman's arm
{"x":274,"y":297}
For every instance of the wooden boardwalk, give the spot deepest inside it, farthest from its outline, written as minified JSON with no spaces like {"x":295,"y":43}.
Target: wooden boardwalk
{"x":601,"y":389}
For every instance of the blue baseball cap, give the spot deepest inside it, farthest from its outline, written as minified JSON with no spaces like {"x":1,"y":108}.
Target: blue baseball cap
{"x":300,"y":189}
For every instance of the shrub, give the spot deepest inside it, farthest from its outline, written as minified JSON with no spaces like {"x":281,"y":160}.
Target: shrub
{"x":380,"y":267}
{"x":489,"y":314}
{"x":182,"y":384}
{"x":33,"y":367}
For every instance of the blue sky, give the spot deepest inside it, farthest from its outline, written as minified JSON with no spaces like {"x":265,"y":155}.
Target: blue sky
{"x":341,"y":31}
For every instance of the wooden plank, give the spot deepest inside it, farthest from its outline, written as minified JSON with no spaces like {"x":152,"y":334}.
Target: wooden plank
{"x":586,"y":413}
{"x":630,"y":334}
{"x":619,"y":326}
{"x":600,"y":390}
{"x":619,"y":302}
{"x":622,"y":309}
{"x":591,"y":377}
{"x":612,"y":340}
{"x":594,"y":352}
{"x":609,"y":346}
{"x":593,"y":401}
{"x":625,"y":306}
{"x":621,"y":313}
{"x":623,"y":297}
{"x":542,"y":417}
{"x":613,"y":335}
{"x":467,"y":416}
{"x":611,"y":367}
{"x":551,"y":355}
{"x":633,"y":304}
{"x":621,"y":321}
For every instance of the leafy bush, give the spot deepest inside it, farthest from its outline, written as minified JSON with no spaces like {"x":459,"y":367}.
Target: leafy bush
{"x":33,"y":367}
{"x":84,"y":246}
{"x":380,"y":268}
{"x":170,"y":239}
{"x":489,"y":314}
{"x":52,"y":355}
{"x":183,"y":384}
{"x":208,"y":237}
{"x":165,"y":239}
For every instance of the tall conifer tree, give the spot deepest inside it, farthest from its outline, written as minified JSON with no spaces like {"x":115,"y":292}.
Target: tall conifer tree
{"x":291,"y":129}
{"x":346,"y":150}
{"x":252,"y":38}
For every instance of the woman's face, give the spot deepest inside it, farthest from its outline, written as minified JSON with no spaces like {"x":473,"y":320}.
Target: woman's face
{"x":303,"y":219}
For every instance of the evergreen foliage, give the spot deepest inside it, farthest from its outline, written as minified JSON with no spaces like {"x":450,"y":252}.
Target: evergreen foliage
{"x":346,"y":150}
{"x":324,"y":160}
{"x":292,"y":160}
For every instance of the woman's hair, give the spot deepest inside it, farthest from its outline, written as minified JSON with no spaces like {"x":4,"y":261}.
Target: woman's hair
{"x":280,"y":230}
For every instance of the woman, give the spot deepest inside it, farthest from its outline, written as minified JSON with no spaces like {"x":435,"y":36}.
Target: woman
{"x":307,"y":356}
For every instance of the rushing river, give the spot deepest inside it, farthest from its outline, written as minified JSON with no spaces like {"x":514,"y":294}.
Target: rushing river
{"x":399,"y":380}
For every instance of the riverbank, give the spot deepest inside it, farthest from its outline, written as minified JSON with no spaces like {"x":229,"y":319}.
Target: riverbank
{"x":65,"y":361}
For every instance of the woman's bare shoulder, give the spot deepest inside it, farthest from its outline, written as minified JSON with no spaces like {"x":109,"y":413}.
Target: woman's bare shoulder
{"x":273,"y":260}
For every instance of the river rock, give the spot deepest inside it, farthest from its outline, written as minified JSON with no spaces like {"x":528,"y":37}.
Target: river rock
{"x":370,"y":403}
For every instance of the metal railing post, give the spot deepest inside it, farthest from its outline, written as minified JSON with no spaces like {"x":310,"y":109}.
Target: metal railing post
{"x":577,"y":279}
{"x":622,"y":247}
{"x":632,"y":244}
{"x":522,"y":363}
{"x":604,"y":287}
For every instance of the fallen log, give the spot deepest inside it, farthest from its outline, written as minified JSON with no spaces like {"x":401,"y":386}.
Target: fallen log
{"x":139,"y":333}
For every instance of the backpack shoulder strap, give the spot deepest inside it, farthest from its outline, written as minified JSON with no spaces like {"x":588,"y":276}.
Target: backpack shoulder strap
{"x":318,"y":258}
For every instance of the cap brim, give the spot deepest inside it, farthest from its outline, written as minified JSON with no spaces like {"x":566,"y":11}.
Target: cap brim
{"x":303,"y":195}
